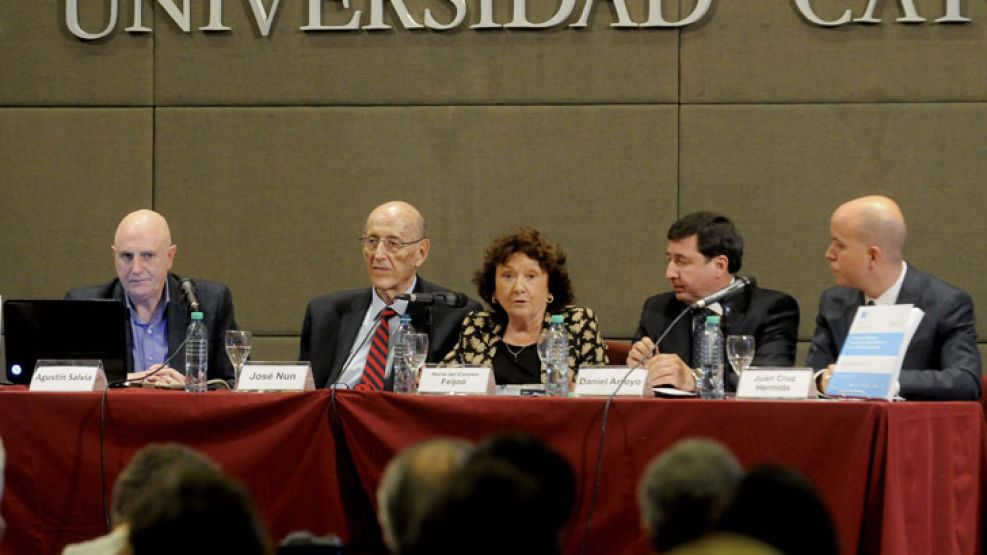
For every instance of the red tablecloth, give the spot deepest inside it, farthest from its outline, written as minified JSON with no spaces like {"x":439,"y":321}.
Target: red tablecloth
{"x":279,"y":446}
{"x":899,"y":478}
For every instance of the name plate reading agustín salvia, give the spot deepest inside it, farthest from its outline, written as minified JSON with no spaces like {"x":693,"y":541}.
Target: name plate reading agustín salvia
{"x":603,"y":382}
{"x":777,"y":383}
{"x":51,"y":375}
{"x":466,"y":380}
{"x":276,"y":376}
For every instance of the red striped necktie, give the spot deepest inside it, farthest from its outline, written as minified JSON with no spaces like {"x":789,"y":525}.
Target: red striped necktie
{"x":376,"y":367}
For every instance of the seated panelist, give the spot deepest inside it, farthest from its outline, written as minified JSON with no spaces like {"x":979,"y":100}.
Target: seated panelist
{"x":347,"y":335}
{"x":159,"y":308}
{"x":524,"y":280}
{"x":866,"y":257}
{"x":705,"y":251}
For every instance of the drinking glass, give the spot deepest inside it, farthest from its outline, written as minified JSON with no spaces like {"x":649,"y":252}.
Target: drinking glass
{"x":740,"y":352}
{"x":238,"y":343}
{"x":543,"y":348}
{"x":415,"y":352}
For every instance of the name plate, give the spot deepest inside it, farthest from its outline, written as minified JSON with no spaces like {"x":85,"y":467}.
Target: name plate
{"x":468,"y":380}
{"x":777,"y":383}
{"x":603,"y":382}
{"x":276,"y":376}
{"x":62,"y":376}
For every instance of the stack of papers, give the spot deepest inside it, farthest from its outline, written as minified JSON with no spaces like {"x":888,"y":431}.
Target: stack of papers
{"x":871,"y":358}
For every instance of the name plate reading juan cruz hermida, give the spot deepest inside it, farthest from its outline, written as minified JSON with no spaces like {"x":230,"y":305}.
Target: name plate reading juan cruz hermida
{"x":777,"y":383}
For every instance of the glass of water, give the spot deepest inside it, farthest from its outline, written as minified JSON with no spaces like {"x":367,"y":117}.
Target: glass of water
{"x":740,"y":352}
{"x":238,"y":344}
{"x":415,"y":353}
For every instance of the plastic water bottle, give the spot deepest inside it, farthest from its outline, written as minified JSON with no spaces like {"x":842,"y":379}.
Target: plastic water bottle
{"x":196,"y":355}
{"x":557,"y":365}
{"x":711,"y":383}
{"x":404,"y":378}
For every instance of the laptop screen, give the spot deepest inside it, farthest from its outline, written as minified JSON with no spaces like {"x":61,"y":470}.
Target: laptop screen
{"x":64,"y":330}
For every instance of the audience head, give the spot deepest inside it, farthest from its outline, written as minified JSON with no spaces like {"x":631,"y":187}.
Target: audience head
{"x":704,"y":251}
{"x":149,"y":465}
{"x":196,"y":510}
{"x":504,"y":478}
{"x":523,"y":275}
{"x":683,"y":489}
{"x":143,"y":255}
{"x":867,"y":245}
{"x":552,"y":473}
{"x":781,"y":508}
{"x":395,"y":244}
{"x":410,"y":483}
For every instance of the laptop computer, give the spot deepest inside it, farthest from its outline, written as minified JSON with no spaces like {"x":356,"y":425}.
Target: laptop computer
{"x":64,"y":330}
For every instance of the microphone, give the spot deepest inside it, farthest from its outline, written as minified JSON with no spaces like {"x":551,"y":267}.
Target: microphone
{"x":455,"y":300}
{"x":738,"y":285}
{"x":189,"y":288}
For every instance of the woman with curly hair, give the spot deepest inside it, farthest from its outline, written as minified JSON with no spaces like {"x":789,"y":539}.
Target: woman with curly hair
{"x":524,"y":281}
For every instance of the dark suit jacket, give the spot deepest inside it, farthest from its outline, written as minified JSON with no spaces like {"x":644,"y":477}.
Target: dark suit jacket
{"x":942,"y":361}
{"x":772,"y":317}
{"x":332,"y":322}
{"x":215,"y":302}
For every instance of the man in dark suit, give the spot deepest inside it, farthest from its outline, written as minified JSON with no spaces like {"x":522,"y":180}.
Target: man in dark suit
{"x":866,"y":256}
{"x":340,"y":329}
{"x":159,"y":312}
{"x":705,"y":251}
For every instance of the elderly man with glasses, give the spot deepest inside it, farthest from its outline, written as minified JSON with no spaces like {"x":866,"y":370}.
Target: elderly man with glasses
{"x":346,"y":335}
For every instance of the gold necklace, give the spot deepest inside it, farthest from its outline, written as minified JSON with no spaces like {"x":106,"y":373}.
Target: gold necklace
{"x":518,"y":353}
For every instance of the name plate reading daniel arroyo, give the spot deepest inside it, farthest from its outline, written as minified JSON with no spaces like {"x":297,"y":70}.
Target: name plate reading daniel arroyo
{"x":776,"y":383}
{"x":276,"y":376}
{"x":62,"y":376}
{"x":466,"y":380}
{"x":602,"y":382}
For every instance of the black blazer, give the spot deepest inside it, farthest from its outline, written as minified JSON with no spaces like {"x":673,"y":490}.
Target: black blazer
{"x":772,"y":317}
{"x":942,"y":361}
{"x":332,"y":322}
{"x":215,"y":302}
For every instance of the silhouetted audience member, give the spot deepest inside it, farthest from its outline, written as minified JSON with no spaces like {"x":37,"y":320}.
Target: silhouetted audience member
{"x":780,"y":507}
{"x":683,"y":489}
{"x":551,"y":472}
{"x":512,"y":496}
{"x":149,"y":465}
{"x":194,"y":511}
{"x":410,"y":483}
{"x":725,"y":544}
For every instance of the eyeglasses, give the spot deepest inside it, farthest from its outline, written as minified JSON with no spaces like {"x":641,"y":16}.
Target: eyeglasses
{"x":370,"y":243}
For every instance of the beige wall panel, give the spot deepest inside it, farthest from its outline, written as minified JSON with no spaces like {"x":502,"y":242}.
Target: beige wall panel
{"x":273,"y":348}
{"x":273,"y":200}
{"x":780,"y":172}
{"x":67,"y":176}
{"x":43,"y":64}
{"x":598,"y":64}
{"x":764,"y":51}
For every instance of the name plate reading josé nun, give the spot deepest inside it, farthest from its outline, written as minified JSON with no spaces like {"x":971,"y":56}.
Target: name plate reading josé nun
{"x":64,"y":377}
{"x":468,"y":380}
{"x":776,"y":383}
{"x":276,"y":376}
{"x":603,"y":382}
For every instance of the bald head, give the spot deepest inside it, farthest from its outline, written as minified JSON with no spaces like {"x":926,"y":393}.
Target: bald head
{"x":876,"y":220}
{"x":400,"y":211}
{"x":146,"y":223}
{"x":143,"y":254}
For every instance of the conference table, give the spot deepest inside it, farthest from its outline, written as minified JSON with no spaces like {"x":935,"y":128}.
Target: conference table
{"x":897,"y":477}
